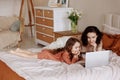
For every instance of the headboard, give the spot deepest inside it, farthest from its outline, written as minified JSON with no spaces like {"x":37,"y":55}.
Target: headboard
{"x":111,"y":24}
{"x":111,"y":40}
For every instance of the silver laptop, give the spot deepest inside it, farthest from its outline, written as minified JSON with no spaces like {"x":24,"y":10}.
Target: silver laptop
{"x":98,"y":58}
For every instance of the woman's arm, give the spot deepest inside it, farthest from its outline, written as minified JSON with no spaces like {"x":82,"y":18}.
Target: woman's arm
{"x":99,"y":47}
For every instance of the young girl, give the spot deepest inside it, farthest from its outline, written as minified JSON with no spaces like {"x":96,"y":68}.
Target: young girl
{"x":91,"y":39}
{"x":69,"y":54}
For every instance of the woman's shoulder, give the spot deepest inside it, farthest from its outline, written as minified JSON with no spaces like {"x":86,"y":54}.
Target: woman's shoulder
{"x":84,"y":48}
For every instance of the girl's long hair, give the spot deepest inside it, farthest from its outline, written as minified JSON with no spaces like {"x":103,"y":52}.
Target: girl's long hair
{"x":69,"y":44}
{"x":68,"y":47}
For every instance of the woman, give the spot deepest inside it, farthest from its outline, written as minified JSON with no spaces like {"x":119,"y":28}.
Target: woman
{"x":69,"y":54}
{"x":91,"y":39}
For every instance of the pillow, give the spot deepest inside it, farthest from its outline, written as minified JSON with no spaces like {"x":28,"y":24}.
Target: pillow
{"x":107,"y":41}
{"x":15,"y":26}
{"x":116,"y":46}
{"x":7,"y":21}
{"x":60,"y":42}
{"x":110,"y":30}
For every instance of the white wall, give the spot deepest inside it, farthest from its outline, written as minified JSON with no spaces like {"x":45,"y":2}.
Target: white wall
{"x":40,"y":2}
{"x":9,"y":7}
{"x":93,"y":10}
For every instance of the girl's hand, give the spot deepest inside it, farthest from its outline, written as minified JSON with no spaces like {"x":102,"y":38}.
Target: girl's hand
{"x":77,"y":55}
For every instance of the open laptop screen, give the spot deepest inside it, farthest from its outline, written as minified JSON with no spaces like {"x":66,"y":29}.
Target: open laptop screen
{"x":98,"y":58}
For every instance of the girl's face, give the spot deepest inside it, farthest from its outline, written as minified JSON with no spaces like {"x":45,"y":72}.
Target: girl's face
{"x":91,"y":37}
{"x":76,"y":48}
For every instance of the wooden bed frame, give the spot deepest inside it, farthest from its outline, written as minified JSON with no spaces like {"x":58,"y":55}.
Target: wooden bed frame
{"x":8,"y":74}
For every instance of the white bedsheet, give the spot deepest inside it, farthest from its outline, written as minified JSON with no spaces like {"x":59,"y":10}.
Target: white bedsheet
{"x":36,"y":69}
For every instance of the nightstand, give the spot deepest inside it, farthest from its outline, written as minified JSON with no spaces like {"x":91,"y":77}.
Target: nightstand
{"x":67,"y":33}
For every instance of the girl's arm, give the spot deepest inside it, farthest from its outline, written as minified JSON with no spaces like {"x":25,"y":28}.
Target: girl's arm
{"x":67,"y":60}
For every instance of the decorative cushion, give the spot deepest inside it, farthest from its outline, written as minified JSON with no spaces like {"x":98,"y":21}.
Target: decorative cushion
{"x":116,"y":47}
{"x":7,"y":21}
{"x":107,"y":41}
{"x":15,"y":26}
{"x":110,"y":30}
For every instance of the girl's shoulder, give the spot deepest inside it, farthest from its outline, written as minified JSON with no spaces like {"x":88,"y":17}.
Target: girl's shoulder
{"x":65,"y":53}
{"x":46,"y":50}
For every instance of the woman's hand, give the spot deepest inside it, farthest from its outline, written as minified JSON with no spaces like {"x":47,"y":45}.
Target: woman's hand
{"x":94,"y":46}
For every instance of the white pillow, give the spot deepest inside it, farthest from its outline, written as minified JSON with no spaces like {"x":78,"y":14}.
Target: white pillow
{"x":60,"y":42}
{"x":110,"y":30}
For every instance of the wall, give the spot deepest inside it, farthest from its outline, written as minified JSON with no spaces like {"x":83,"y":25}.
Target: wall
{"x":93,"y":10}
{"x":9,"y":7}
{"x":40,"y":2}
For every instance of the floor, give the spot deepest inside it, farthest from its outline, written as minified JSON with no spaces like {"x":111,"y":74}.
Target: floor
{"x":29,"y":42}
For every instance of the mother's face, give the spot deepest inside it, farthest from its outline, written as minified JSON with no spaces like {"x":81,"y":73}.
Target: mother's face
{"x":91,"y":37}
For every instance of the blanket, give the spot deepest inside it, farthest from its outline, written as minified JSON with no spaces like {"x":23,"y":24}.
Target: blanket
{"x":37,"y":69}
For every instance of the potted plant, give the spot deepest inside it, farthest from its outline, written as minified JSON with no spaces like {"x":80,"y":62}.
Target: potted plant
{"x":74,"y":16}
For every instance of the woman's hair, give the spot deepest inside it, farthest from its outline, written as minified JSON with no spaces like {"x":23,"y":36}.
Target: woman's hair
{"x":94,"y":29}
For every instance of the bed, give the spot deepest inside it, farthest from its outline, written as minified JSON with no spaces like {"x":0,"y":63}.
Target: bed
{"x":14,"y":67}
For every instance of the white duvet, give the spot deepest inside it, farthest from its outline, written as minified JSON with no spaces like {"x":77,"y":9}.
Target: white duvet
{"x":36,"y":69}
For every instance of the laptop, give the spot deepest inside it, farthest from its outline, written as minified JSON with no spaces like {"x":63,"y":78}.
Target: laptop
{"x":96,"y":59}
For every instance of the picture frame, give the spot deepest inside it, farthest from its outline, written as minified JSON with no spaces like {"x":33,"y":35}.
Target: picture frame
{"x":64,"y":3}
{"x":58,"y":3}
